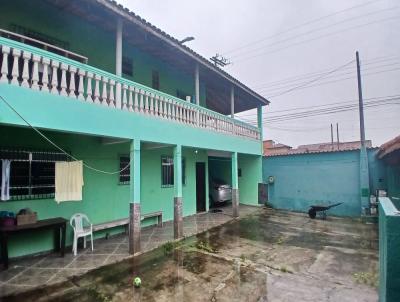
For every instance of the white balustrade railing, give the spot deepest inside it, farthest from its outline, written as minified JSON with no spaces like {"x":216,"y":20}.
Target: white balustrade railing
{"x":37,"y":69}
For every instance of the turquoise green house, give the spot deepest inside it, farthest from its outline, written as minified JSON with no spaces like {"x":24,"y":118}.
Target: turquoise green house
{"x":142,"y":111}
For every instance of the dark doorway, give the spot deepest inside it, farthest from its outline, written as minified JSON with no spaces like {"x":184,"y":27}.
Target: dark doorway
{"x":200,"y":187}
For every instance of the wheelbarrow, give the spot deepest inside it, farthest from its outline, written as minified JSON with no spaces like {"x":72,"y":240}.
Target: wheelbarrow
{"x":314,"y":209}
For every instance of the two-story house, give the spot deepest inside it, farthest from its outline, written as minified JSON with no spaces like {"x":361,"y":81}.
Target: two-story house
{"x":150,"y":118}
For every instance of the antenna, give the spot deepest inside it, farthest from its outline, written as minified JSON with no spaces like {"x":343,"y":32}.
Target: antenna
{"x":219,"y":60}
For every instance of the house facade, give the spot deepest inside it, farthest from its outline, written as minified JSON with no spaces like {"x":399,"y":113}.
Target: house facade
{"x":145,"y":114}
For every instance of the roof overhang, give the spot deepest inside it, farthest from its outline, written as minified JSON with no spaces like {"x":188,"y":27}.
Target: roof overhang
{"x":144,"y":35}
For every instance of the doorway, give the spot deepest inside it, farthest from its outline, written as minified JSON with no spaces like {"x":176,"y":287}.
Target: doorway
{"x":200,"y":187}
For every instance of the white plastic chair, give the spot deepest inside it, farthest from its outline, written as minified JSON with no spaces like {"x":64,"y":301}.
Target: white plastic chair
{"x":82,"y":228}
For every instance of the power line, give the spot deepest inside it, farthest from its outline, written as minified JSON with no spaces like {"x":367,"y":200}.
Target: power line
{"x":329,"y":110}
{"x":313,"y":80}
{"x":302,"y":25}
{"x":315,"y":30}
{"x":343,"y":79}
{"x":324,"y":105}
{"x":283,"y":84}
{"x":318,"y":37}
{"x":371,"y":61}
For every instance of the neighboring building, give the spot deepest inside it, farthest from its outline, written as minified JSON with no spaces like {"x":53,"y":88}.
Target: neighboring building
{"x":389,"y":153}
{"x":270,"y":148}
{"x":335,"y":146}
{"x":110,"y":88}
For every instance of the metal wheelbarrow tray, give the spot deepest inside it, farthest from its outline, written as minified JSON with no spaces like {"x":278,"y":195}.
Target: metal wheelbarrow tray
{"x":312,"y":212}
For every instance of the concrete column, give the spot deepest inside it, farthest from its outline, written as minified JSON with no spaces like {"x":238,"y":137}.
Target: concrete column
{"x":118,"y":61}
{"x":197,"y":84}
{"x":134,"y":206}
{"x":178,"y":197}
{"x":260,"y":125}
{"x":232,"y":102}
{"x":235,"y":185}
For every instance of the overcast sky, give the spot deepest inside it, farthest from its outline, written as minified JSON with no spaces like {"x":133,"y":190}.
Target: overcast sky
{"x":274,"y":45}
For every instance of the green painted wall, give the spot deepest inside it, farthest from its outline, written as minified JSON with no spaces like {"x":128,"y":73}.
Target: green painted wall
{"x":251,"y":169}
{"x":104,"y":199}
{"x":389,"y":246}
{"x":96,"y":44}
{"x":49,"y":111}
{"x":251,"y":175}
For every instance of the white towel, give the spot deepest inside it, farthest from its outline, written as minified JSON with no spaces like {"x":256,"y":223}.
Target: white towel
{"x":5,"y":179}
{"x":68,"y":181}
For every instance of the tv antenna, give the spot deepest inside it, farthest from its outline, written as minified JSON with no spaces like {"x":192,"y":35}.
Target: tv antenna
{"x":219,"y":60}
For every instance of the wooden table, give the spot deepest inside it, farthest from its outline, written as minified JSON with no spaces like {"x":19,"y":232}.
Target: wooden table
{"x":57,"y":224}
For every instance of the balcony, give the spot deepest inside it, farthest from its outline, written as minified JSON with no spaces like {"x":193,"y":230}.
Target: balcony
{"x":33,"y":68}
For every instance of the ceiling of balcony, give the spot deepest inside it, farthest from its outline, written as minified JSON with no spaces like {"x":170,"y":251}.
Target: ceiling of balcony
{"x":152,"y":40}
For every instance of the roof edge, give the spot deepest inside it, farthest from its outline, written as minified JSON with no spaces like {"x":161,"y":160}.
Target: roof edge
{"x":131,"y":16}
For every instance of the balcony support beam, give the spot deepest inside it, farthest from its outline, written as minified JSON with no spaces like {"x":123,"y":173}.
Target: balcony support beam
{"x":134,"y":206}
{"x":118,"y":60}
{"x":197,"y":84}
{"x":232,"y":101}
{"x":178,"y":198}
{"x":260,"y":123}
{"x":235,"y":185}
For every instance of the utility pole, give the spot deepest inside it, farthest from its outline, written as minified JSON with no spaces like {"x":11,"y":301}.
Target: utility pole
{"x":337,"y":135}
{"x":360,"y":102}
{"x":364,"y":171}
{"x":331,"y":136}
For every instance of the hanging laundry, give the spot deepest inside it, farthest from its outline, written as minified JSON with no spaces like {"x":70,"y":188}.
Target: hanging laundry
{"x":68,"y":181}
{"x":5,"y":179}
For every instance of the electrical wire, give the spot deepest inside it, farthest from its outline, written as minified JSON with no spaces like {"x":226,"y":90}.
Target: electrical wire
{"x":307,"y":33}
{"x":302,"y":24}
{"x":318,"y":38}
{"x":341,"y":74}
{"x":313,"y":80}
{"x":330,"y":110}
{"x":324,"y":105}
{"x":300,"y":77}
{"x":58,"y":147}
{"x":344,"y":79}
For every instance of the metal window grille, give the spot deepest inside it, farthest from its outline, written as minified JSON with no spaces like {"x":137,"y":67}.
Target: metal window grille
{"x":167,"y":171}
{"x":125,"y":175}
{"x":32,"y":173}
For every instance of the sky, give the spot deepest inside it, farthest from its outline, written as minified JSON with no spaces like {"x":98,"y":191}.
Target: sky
{"x":301,"y":56}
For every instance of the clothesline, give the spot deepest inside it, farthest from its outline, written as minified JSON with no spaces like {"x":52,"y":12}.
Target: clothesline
{"x":61,"y":149}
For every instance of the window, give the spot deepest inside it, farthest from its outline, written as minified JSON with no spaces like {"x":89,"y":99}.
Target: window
{"x":32,"y":173}
{"x":155,"y":80}
{"x":127,"y":66}
{"x":125,"y":175}
{"x":38,"y":36}
{"x":167,"y":171}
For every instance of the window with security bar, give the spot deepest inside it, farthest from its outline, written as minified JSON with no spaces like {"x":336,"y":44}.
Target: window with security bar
{"x":167,"y":171}
{"x":125,"y":171}
{"x":32,"y":173}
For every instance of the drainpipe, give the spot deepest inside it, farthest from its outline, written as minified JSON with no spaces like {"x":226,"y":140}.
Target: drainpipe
{"x":118,"y":60}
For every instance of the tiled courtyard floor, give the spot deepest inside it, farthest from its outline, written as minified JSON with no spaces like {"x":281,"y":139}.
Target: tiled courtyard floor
{"x":27,"y":273}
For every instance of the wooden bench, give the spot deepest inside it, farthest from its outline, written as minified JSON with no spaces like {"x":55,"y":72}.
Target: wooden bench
{"x":154,"y":214}
{"x":125,"y":222}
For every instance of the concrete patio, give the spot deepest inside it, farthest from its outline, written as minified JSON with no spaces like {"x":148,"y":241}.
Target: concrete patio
{"x":30,"y":272}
